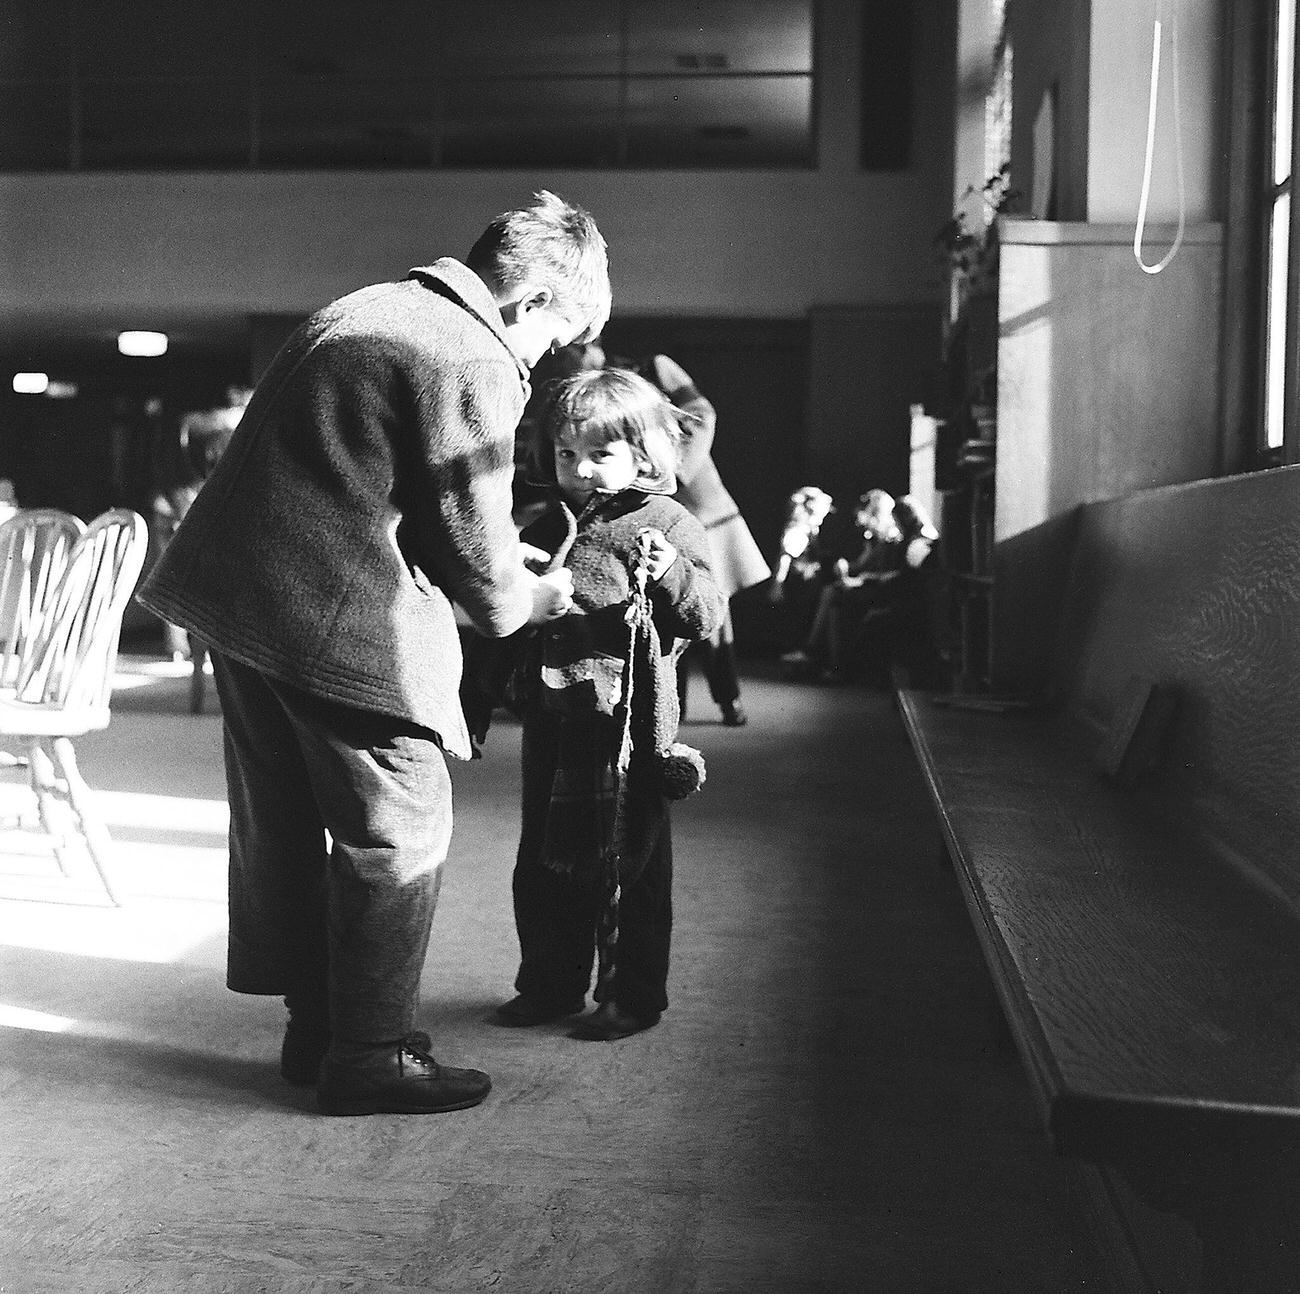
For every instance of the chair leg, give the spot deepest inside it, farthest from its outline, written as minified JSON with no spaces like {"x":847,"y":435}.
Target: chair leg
{"x":44,"y":784}
{"x":99,"y":843}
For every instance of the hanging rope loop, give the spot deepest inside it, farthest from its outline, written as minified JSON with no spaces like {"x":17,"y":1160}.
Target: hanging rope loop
{"x":1152,"y":105}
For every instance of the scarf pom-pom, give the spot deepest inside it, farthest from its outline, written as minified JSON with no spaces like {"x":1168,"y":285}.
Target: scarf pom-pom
{"x":681,"y":771}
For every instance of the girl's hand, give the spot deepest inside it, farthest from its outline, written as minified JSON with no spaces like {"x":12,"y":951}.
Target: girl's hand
{"x":658,"y":552}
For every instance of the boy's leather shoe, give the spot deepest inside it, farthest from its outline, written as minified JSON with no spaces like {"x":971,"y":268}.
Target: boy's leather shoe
{"x":304,"y":1048}
{"x":607,"y":1024}
{"x":521,"y":1012}
{"x":401,"y":1079}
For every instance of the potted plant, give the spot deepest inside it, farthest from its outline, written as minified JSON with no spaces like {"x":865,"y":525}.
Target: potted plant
{"x":969,"y":256}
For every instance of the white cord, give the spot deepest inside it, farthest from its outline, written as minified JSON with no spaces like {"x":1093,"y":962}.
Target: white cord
{"x":1151,"y":142}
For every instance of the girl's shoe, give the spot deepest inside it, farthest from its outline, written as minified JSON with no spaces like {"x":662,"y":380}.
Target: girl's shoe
{"x":607,"y":1024}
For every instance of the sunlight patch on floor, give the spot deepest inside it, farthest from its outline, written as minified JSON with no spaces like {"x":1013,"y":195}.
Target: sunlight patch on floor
{"x":133,"y":670}
{"x":162,"y":812}
{"x":69,"y":915}
{"x":172,"y":887}
{"x":124,"y":809}
{"x":19,"y":1017}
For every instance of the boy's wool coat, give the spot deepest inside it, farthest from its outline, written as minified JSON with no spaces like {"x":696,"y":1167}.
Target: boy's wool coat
{"x":367,"y":487}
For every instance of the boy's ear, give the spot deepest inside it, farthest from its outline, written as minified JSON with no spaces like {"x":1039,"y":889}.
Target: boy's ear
{"x":535,"y":298}
{"x":522,"y":300}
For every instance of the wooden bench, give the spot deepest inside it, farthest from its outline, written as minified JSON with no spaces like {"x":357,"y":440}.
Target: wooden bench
{"x":1143,"y":929}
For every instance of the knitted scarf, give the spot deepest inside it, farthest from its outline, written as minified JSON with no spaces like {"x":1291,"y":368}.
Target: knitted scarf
{"x":649,"y":729}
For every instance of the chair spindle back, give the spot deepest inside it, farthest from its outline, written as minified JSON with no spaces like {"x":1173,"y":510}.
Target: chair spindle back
{"x":72,"y":652}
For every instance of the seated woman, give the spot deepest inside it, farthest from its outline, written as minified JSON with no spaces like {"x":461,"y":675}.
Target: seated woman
{"x":801,"y":564}
{"x":799,"y":557}
{"x":869,"y":613}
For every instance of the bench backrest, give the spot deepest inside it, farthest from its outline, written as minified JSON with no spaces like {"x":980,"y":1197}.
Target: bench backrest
{"x":1197,"y":588}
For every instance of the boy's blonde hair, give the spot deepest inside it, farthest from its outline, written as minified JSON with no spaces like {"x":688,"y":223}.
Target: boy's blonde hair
{"x":554,"y":244}
{"x":619,"y":405}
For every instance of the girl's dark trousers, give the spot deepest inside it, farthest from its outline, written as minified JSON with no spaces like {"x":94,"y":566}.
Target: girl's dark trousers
{"x":556,"y":915}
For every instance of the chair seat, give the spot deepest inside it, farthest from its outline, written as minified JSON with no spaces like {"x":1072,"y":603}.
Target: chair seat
{"x":24,"y":719}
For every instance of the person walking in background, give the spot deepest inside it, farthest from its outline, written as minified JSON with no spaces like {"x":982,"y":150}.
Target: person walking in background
{"x":598,"y":703}
{"x":738,"y":562}
{"x":366,"y":488}
{"x":185,"y":462}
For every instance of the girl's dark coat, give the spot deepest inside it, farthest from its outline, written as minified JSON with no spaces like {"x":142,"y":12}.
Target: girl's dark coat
{"x":582,"y":657}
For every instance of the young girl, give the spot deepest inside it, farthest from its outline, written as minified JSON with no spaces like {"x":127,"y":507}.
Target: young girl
{"x":594,"y":865}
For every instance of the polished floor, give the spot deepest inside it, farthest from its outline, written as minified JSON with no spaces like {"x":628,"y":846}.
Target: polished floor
{"x":825,"y":1107}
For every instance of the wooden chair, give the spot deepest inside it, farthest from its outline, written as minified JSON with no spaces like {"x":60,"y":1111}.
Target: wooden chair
{"x":35,"y":544}
{"x":64,"y":677}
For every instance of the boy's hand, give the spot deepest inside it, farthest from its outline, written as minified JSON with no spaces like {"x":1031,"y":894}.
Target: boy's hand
{"x":552,"y":596}
{"x":658,"y":552}
{"x":535,"y":559}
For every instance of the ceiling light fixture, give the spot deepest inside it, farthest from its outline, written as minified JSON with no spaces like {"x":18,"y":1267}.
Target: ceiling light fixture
{"x":146,"y":344}
{"x":31,"y":383}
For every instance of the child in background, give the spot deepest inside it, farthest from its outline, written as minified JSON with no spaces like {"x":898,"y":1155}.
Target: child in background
{"x":595,"y":844}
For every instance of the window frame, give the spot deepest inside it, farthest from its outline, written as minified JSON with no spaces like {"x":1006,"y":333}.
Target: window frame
{"x":1275,"y":191}
{"x":1249,"y":191}
{"x":258,"y":79}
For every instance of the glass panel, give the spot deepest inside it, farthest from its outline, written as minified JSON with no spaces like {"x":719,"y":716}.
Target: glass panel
{"x":1284,"y":90}
{"x":532,"y":123}
{"x":579,"y":37}
{"x":346,"y":123}
{"x":722,"y":36}
{"x":720,"y":121}
{"x":35,"y":40}
{"x":170,"y":83}
{"x":37,"y":130}
{"x":165,"y":124}
{"x":320,"y":39}
{"x":1275,"y":344}
{"x":162,"y":38}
